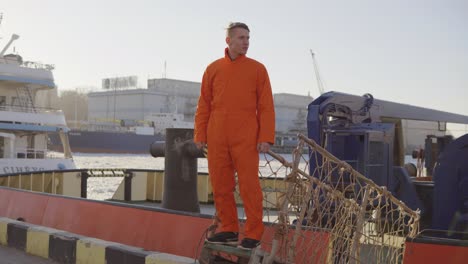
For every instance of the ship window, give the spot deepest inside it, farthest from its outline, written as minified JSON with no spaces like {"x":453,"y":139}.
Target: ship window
{"x":15,"y":101}
{"x":2,"y":102}
{"x":442,"y":126}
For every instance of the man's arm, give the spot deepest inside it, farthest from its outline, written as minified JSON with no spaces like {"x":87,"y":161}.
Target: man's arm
{"x":203,"y":112}
{"x":265,"y":112}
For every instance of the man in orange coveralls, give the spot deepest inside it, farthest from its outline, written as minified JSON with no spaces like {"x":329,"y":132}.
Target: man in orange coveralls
{"x":236,"y":118}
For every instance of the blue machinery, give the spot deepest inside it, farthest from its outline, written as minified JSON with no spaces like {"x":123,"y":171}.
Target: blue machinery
{"x":367,"y":133}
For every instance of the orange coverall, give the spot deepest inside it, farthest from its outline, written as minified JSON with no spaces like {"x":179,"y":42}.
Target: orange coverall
{"x":235,"y":112}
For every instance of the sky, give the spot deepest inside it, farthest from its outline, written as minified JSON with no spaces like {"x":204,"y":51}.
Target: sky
{"x":413,"y":52}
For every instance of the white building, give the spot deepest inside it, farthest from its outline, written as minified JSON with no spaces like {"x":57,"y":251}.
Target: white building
{"x":291,"y":112}
{"x":176,"y":96}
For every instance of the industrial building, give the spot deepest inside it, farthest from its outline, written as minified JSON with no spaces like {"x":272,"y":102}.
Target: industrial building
{"x":181,"y":97}
{"x":177,"y":96}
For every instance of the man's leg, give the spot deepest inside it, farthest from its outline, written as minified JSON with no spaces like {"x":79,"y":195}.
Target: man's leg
{"x":221,"y":172}
{"x":246,"y":160}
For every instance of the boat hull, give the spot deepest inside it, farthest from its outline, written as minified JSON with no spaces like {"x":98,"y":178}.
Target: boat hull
{"x":154,"y":229}
{"x":10,"y":166}
{"x":431,"y":249}
{"x":106,"y":142}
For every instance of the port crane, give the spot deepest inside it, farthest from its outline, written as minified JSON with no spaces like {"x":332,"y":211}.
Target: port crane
{"x":317,"y":74}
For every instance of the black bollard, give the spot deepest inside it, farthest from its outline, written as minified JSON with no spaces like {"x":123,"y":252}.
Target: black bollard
{"x":181,"y":169}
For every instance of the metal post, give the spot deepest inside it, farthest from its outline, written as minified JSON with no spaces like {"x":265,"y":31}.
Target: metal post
{"x":128,"y":186}
{"x":76,"y":107}
{"x":84,"y":184}
{"x":355,"y":249}
{"x":115,"y":99}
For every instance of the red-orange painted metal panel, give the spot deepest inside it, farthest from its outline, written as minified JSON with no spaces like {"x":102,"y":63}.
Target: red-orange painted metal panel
{"x":154,"y":230}
{"x":21,"y":204}
{"x":426,"y":253}
{"x":181,"y":233}
{"x":5,"y":197}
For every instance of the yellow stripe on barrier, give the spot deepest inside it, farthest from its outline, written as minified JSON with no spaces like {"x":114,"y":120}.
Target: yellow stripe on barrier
{"x":3,"y":231}
{"x":91,"y":251}
{"x":37,"y":241}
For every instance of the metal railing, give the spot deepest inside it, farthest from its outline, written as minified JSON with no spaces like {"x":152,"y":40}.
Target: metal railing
{"x":53,"y":181}
{"x":37,"y":110}
{"x":32,"y":153}
{"x":27,"y":64}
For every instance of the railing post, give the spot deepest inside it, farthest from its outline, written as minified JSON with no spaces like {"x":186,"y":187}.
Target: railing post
{"x":84,"y":184}
{"x":128,"y":186}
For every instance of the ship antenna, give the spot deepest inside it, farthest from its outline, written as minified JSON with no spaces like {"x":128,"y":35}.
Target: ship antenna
{"x":165,"y":70}
{"x":1,"y":18}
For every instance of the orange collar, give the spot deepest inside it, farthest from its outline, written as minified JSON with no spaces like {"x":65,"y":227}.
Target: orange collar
{"x":226,"y":56}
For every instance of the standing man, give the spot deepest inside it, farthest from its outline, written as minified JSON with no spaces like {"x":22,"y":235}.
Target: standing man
{"x":236,"y":118}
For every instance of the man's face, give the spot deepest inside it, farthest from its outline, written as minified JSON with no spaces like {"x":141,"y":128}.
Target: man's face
{"x":238,"y":42}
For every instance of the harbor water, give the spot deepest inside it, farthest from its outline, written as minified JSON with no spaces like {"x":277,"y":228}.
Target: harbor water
{"x":104,"y":188}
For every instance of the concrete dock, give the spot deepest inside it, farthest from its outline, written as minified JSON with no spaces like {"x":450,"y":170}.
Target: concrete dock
{"x":15,"y":256}
{"x":22,"y":242}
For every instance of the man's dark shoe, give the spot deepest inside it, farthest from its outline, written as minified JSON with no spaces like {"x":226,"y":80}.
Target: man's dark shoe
{"x":249,"y":244}
{"x":224,"y":238}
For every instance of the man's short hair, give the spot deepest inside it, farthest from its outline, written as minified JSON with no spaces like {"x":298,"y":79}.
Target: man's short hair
{"x":234,"y":25}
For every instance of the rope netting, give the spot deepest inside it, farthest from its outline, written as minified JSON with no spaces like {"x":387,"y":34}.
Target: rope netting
{"x":330,"y":213}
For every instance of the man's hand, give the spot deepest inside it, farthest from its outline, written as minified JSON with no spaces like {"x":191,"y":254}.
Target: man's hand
{"x":200,"y":145}
{"x":263,"y":147}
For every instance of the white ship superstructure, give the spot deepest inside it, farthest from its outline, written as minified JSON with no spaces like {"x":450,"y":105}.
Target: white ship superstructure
{"x":25,"y":122}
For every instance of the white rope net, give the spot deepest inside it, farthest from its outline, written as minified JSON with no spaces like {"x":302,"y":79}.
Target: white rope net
{"x":330,"y":215}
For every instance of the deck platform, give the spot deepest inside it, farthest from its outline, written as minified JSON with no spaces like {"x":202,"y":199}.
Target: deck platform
{"x":225,"y":254}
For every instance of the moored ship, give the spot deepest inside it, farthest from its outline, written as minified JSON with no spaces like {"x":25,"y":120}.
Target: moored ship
{"x":123,"y":136}
{"x":25,"y":118}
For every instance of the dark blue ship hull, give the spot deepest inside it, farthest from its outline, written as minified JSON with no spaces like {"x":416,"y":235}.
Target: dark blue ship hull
{"x":106,"y":142}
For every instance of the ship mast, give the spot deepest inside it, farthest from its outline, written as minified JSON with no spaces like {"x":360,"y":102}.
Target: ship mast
{"x":13,"y":38}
